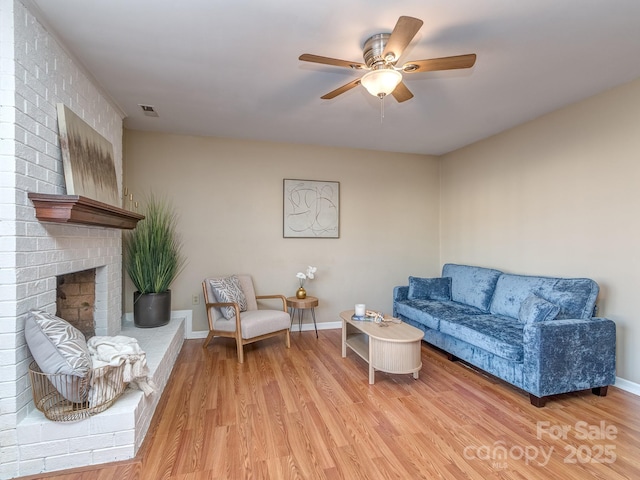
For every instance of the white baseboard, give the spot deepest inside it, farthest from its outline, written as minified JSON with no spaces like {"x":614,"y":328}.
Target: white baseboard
{"x":190,"y":334}
{"x":309,"y":326}
{"x":194,"y":334}
{"x":627,"y":386}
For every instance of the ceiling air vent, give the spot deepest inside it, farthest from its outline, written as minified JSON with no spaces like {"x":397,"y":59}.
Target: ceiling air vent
{"x":149,"y":110}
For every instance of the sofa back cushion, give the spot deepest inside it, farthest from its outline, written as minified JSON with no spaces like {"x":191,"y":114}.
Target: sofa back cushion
{"x":576,"y":297}
{"x":472,"y":285}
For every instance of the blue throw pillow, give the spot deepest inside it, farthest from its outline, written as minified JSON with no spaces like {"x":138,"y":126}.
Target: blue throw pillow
{"x":535,"y":309}
{"x":430,"y":288}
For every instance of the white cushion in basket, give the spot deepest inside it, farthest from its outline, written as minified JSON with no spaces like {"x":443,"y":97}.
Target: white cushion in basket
{"x":59,"y":348}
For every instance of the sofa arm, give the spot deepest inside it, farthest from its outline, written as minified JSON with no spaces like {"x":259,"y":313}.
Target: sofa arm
{"x":399,"y":293}
{"x":569,"y":355}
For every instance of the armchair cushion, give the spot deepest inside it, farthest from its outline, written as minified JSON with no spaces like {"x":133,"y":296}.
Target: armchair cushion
{"x":228,"y":290}
{"x":254,"y":323}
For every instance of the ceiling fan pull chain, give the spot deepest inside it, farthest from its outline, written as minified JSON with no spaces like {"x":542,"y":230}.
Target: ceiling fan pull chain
{"x":381,"y":109}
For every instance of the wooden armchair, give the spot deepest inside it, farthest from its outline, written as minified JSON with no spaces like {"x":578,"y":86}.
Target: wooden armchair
{"x":230,"y":317}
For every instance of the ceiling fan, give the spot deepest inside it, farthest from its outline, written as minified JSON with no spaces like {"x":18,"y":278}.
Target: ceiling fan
{"x":381,"y":52}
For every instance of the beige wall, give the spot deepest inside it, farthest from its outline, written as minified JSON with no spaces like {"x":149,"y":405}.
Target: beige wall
{"x":557,"y":196}
{"x":229,"y":197}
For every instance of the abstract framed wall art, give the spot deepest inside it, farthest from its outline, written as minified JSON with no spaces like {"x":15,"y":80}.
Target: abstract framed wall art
{"x":311,"y":209}
{"x":87,"y":159}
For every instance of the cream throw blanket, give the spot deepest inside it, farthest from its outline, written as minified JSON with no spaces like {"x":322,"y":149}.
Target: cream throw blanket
{"x":115,"y":351}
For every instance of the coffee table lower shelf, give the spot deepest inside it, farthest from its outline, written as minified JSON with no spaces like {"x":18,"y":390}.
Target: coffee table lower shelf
{"x":391,"y":349}
{"x":359,"y":343}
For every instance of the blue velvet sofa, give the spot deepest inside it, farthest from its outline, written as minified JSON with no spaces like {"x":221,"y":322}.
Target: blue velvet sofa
{"x":537,"y":333}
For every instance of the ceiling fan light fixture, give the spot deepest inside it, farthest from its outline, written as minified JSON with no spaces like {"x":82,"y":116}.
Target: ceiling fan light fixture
{"x":381,"y":82}
{"x":381,"y":53}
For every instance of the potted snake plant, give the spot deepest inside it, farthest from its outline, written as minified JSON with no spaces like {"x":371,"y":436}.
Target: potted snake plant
{"x":153,"y":260}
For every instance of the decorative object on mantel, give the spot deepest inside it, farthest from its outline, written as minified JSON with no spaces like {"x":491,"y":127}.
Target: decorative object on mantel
{"x":127,"y":198}
{"x":153,"y":260}
{"x":87,"y":159}
{"x":302,"y":277}
{"x":311,"y":209}
{"x":81,"y":210}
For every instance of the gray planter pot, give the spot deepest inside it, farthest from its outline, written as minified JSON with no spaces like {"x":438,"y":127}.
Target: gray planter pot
{"x":151,"y":309}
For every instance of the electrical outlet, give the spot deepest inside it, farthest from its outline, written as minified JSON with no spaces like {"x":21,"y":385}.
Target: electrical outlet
{"x":195,"y":299}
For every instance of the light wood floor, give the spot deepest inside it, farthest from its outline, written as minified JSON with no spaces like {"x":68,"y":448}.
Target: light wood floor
{"x":307,"y":413}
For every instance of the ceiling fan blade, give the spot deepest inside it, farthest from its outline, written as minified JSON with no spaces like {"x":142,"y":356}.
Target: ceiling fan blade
{"x":444,"y":63}
{"x":342,"y":89}
{"x":308,"y":57}
{"x":402,"y":93}
{"x":402,"y":34}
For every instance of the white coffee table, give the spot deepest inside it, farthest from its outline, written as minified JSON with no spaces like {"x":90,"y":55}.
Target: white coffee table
{"x":394,"y":348}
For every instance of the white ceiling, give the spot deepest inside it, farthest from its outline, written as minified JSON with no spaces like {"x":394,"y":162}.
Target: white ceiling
{"x":230,"y":68}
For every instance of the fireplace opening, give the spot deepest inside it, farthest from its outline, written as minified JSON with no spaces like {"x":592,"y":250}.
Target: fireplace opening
{"x":76,"y":298}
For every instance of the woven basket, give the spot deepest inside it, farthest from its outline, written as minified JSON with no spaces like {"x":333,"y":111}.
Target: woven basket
{"x":68,"y":398}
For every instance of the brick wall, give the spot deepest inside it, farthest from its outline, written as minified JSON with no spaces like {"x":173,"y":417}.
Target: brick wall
{"x":35,"y":74}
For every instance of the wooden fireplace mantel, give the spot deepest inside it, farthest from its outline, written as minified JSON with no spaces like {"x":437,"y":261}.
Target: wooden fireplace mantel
{"x":82,"y":210}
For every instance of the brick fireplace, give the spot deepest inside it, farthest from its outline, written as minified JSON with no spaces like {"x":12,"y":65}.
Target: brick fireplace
{"x":36,"y":73}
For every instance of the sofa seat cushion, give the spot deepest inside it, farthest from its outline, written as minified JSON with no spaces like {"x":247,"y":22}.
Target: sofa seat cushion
{"x":471,"y":285}
{"x":429,"y":312}
{"x":498,"y":335}
{"x":576,"y":297}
